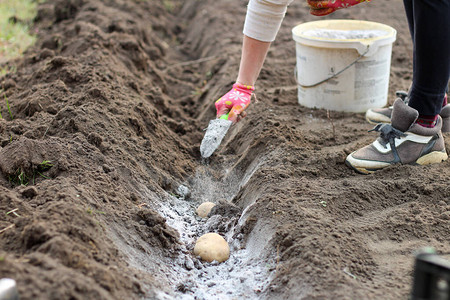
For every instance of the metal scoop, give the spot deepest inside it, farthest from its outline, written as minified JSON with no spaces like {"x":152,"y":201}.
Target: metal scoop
{"x":216,"y":131}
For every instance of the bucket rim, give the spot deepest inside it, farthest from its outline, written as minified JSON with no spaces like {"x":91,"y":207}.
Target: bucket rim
{"x":366,"y":47}
{"x":298,"y":30}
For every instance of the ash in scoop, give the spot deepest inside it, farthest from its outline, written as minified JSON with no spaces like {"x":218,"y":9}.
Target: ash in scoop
{"x":214,"y":135}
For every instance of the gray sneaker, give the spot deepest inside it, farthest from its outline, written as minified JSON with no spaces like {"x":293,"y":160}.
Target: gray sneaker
{"x":403,"y":142}
{"x":383,"y":115}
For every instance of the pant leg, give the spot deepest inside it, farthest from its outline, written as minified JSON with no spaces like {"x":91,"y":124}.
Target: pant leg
{"x":264,"y":17}
{"x":409,"y":16}
{"x":431,"y":40}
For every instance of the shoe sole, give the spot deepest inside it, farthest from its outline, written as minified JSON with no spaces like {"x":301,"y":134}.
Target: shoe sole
{"x":376,"y":118}
{"x":430,"y":158}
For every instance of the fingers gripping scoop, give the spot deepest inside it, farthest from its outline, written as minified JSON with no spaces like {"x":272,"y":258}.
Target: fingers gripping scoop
{"x":216,"y":131}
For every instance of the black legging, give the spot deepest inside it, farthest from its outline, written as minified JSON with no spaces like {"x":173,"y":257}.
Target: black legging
{"x":429,"y":24}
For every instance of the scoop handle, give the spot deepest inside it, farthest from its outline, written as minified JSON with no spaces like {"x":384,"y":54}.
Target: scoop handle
{"x":224,"y":117}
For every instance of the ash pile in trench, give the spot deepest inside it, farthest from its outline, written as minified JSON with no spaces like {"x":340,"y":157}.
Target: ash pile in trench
{"x":107,"y":121}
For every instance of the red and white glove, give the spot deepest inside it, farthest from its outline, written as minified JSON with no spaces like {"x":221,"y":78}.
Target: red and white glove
{"x":235,"y":102}
{"x":325,"y":7}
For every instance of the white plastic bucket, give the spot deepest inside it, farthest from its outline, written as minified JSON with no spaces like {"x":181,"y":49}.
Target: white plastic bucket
{"x":343,"y":74}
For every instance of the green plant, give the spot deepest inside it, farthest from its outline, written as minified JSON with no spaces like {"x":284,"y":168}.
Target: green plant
{"x":91,"y":211}
{"x":198,"y":91}
{"x":42,"y":167}
{"x":168,"y":5}
{"x":15,"y":19}
{"x":20,"y":177}
{"x":45,"y":165}
{"x":14,"y":212}
{"x":7,"y":105}
{"x":8,"y":69}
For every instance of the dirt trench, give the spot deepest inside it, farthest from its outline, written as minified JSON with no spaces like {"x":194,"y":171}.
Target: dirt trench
{"x":101,"y":170}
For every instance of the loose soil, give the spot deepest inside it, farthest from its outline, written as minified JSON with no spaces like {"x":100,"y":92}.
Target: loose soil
{"x":115,"y":95}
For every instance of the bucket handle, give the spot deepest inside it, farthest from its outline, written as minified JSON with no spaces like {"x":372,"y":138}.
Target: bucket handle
{"x":332,"y":76}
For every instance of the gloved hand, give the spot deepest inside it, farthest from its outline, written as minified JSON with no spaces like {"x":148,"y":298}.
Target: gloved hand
{"x":235,"y":102}
{"x":325,"y":7}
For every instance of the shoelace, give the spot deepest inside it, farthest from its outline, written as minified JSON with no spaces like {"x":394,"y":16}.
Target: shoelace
{"x":388,"y":134}
{"x":403,"y":95}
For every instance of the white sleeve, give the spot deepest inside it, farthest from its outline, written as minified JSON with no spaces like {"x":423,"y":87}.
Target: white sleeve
{"x":264,"y":17}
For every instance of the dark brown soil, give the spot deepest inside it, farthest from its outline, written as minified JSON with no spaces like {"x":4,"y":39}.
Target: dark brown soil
{"x":109,"y":109}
